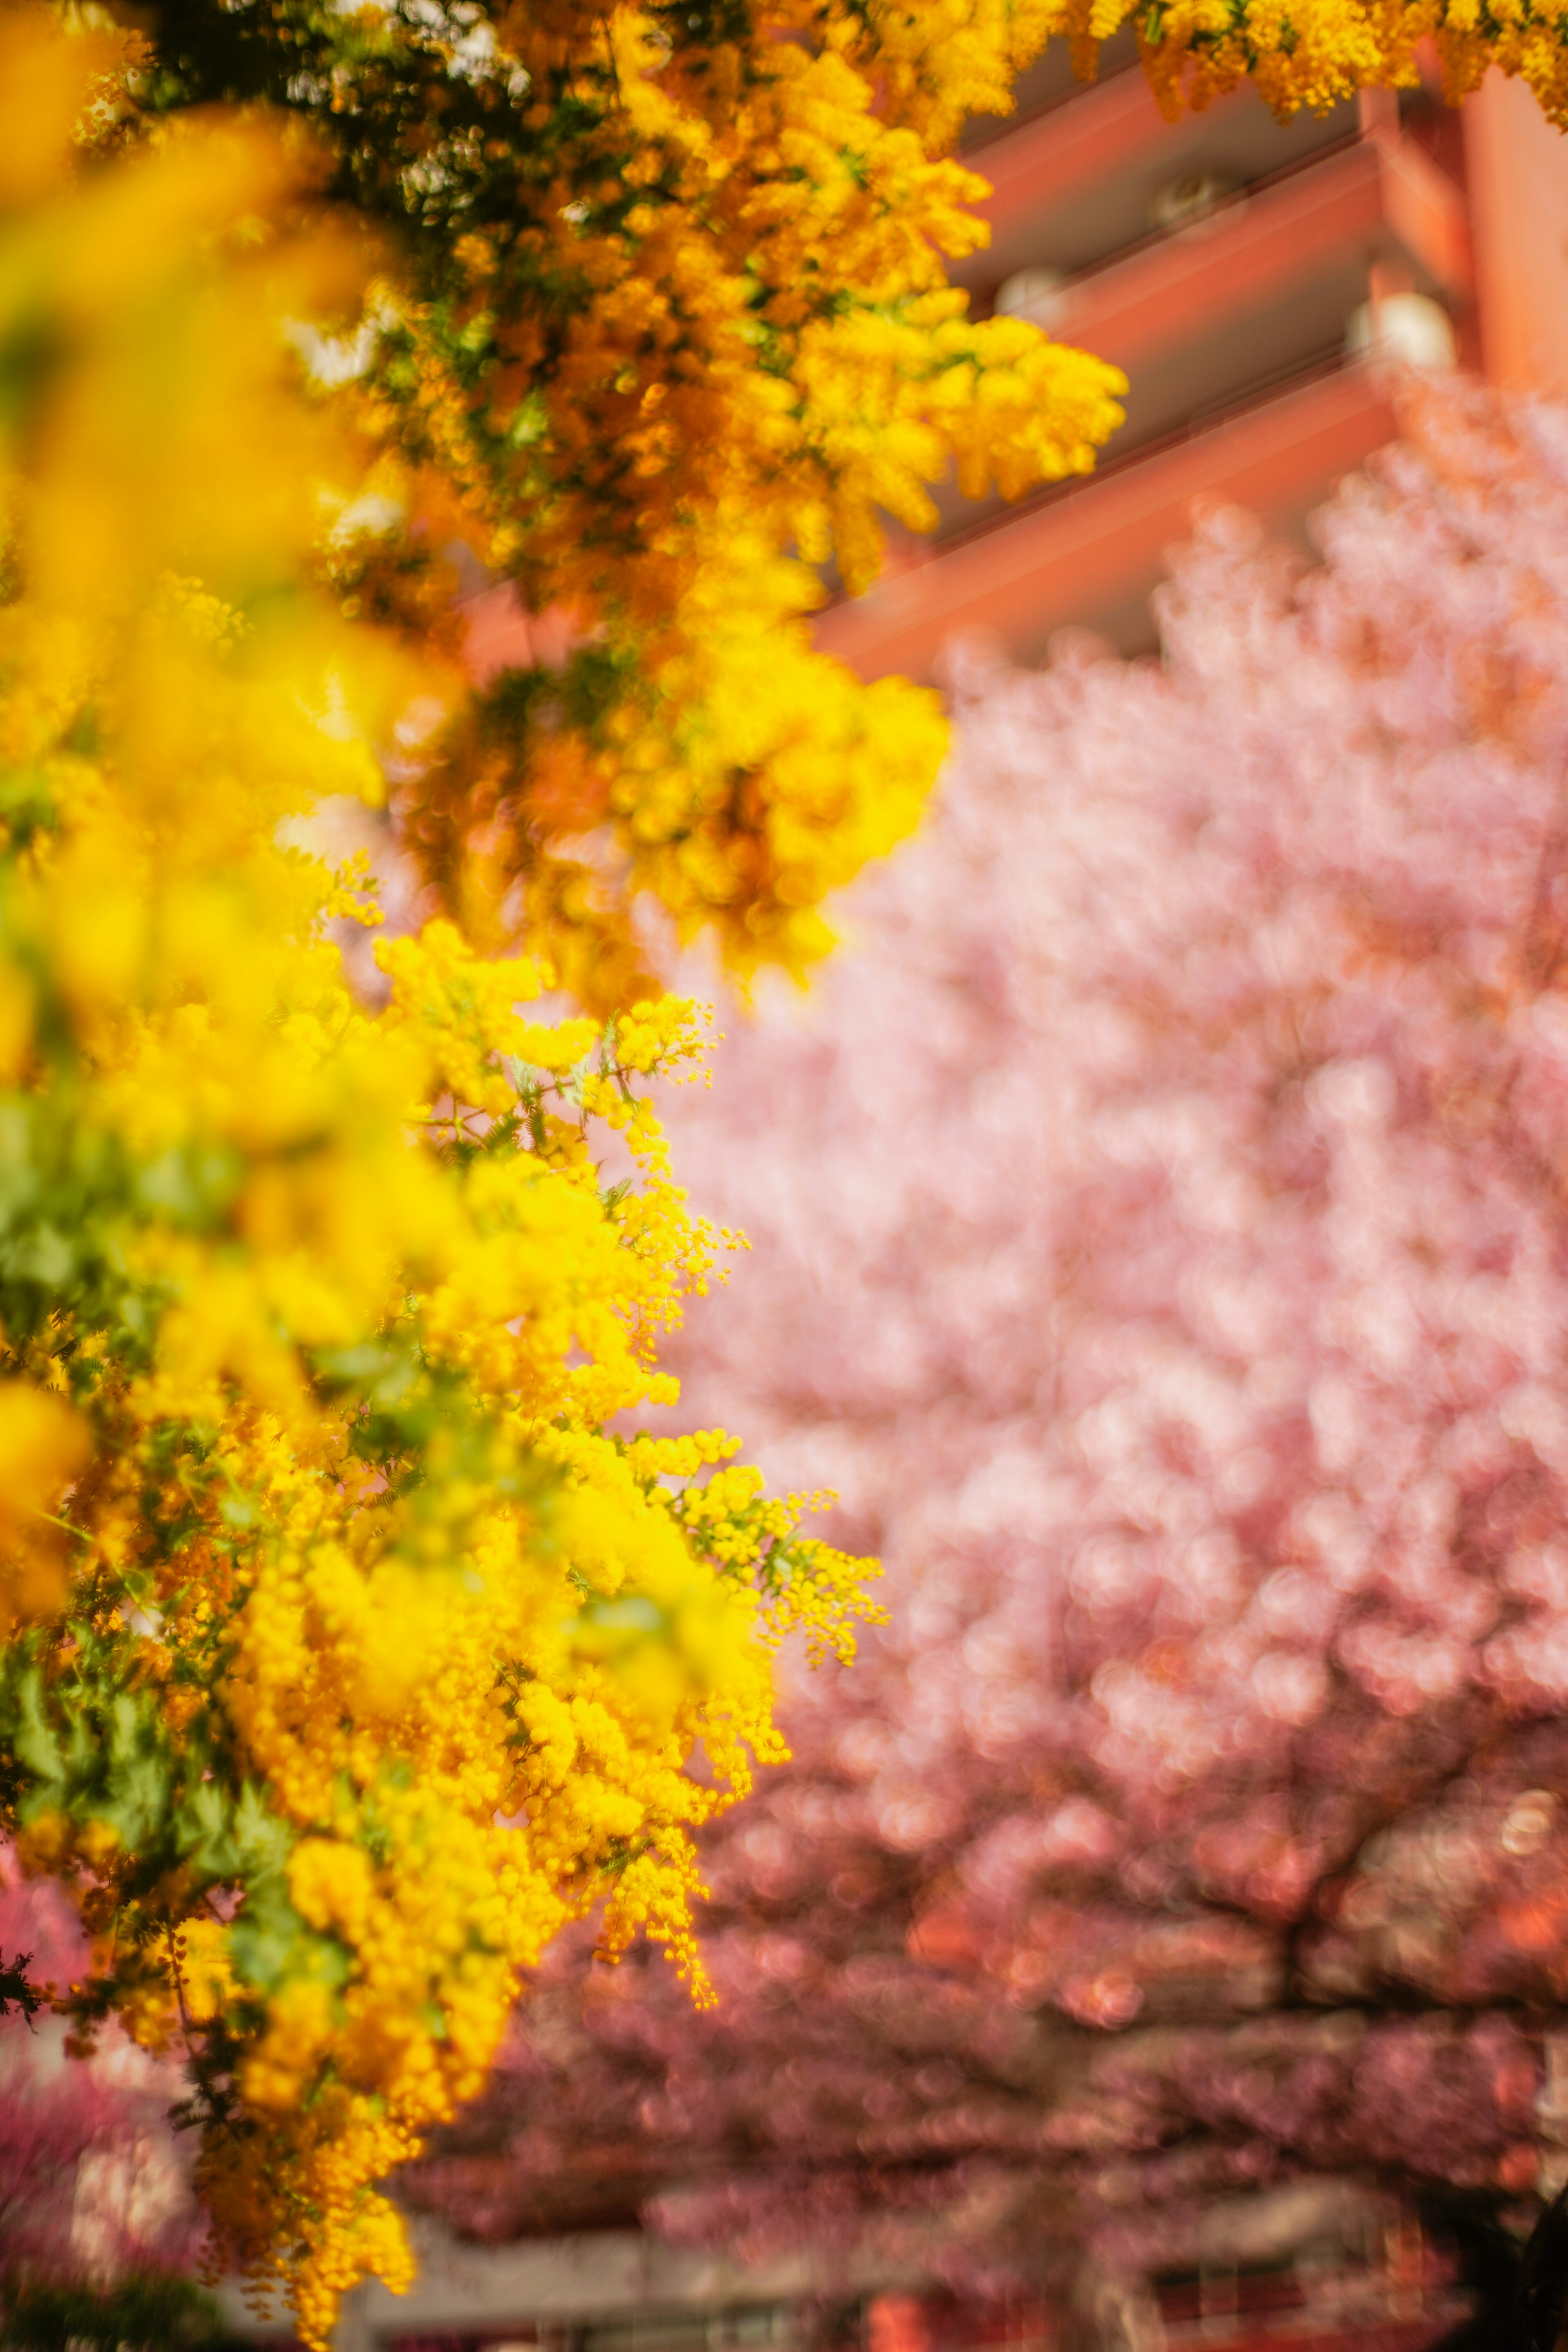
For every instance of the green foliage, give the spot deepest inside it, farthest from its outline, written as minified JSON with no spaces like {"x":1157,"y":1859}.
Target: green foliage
{"x":146,"y":2312}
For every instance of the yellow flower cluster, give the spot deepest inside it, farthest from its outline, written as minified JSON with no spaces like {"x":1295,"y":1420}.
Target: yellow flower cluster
{"x":699,"y":347}
{"x":344,"y":1655}
{"x":1314,"y":53}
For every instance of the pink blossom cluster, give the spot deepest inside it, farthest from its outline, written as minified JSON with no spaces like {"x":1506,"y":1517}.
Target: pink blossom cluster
{"x":92,"y":2182}
{"x":1160,"y":1240}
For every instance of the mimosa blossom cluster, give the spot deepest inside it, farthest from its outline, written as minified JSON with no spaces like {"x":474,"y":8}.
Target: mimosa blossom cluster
{"x":344,"y":1654}
{"x":677,"y":332}
{"x":1159,"y":1243}
{"x":1314,"y":53}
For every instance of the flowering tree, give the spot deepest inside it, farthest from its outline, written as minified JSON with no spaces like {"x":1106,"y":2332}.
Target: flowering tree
{"x":353,"y":1642}
{"x":1160,"y":1242}
{"x":91,"y":2186}
{"x":343,"y":1655}
{"x":670,"y":326}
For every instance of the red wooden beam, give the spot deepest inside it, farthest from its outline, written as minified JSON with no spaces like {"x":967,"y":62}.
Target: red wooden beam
{"x":1250,"y":251}
{"x":1072,"y":146}
{"x":1427,"y":213}
{"x":1069,"y":554}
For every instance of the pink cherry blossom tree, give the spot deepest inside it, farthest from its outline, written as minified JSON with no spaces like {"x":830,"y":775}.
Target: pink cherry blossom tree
{"x":93,"y":2185}
{"x":1160,"y":1224}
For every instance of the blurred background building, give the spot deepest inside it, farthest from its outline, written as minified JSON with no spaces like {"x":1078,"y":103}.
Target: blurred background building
{"x":1361,"y":2277}
{"x":1246,"y":275}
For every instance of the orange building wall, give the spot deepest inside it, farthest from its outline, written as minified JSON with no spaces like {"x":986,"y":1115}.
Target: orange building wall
{"x":1518,"y":172}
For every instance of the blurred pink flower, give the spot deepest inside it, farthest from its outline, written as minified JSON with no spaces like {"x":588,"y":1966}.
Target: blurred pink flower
{"x":93,"y":2180}
{"x":1160,"y":1224}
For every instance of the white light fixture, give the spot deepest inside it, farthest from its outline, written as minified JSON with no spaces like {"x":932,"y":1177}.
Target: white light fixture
{"x":1408,"y":328}
{"x":1037,"y":294}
